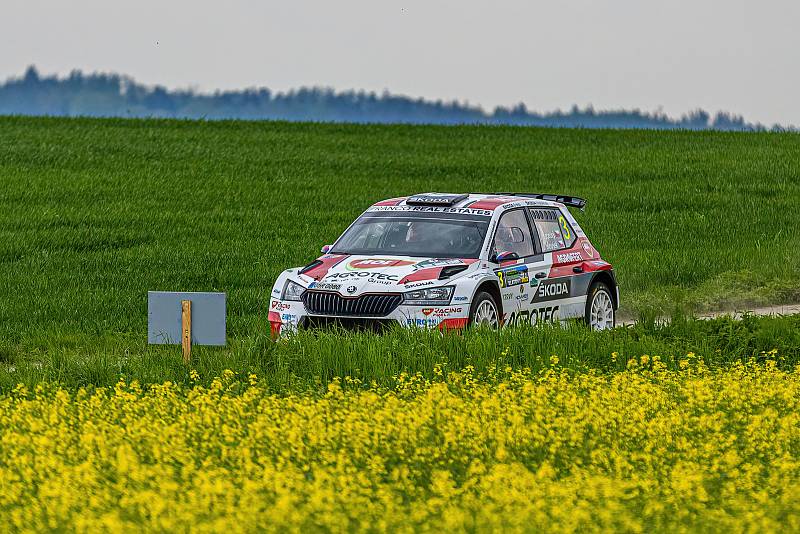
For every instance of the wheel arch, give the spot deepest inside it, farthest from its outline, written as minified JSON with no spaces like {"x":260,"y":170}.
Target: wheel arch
{"x":493,"y":288}
{"x":608,"y":279}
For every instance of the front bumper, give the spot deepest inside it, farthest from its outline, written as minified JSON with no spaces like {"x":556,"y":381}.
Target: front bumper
{"x":288,"y":316}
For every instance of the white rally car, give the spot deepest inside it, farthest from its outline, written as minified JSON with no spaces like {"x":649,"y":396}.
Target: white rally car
{"x":449,"y":260}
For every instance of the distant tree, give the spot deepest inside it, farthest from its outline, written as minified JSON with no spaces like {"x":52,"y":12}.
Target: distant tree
{"x":160,"y":101}
{"x":696,"y":120}
{"x":729,"y":122}
{"x":31,"y":75}
{"x":101,"y":94}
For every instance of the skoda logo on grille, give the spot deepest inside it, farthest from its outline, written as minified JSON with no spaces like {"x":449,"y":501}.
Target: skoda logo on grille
{"x":351,"y":289}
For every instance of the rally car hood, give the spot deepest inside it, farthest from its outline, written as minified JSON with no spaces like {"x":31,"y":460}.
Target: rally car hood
{"x":353,"y":275}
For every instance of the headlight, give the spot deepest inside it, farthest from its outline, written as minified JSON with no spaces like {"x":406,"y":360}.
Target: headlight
{"x":292,"y":291}
{"x":433,"y":296}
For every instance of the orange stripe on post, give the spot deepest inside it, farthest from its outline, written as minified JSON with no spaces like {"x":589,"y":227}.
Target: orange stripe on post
{"x":186,"y":329}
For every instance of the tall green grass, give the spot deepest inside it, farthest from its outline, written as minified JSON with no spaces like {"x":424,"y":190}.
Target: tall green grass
{"x":311,"y":359}
{"x":94,"y":213}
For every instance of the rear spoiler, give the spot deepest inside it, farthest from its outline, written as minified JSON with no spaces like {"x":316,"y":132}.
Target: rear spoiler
{"x":572,"y":202}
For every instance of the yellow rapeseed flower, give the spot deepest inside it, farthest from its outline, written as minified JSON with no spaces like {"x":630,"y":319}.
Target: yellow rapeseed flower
{"x":643,"y":450}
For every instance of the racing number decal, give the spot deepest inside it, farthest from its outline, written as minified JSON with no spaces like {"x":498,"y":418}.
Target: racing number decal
{"x":565,"y":227}
{"x":513,"y":276}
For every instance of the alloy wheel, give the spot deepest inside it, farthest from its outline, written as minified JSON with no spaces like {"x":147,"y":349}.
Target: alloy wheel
{"x":486,"y":314}
{"x":601,"y":316}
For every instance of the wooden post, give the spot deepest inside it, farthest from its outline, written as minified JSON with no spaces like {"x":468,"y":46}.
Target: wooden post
{"x":186,"y":329}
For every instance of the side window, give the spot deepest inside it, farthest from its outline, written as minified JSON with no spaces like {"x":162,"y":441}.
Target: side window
{"x":554,"y":230}
{"x":513,"y":235}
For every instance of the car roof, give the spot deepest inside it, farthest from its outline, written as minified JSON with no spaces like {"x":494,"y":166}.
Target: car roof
{"x":479,"y":201}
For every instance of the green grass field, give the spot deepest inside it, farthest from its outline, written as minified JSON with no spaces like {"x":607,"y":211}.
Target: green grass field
{"x":687,"y":425}
{"x":94,"y":213}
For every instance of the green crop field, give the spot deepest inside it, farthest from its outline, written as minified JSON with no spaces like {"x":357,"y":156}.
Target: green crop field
{"x":94,"y":213}
{"x":688,"y":425}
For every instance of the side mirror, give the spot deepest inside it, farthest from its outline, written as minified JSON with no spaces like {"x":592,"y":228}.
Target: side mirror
{"x":326,"y":248}
{"x":504,"y":256}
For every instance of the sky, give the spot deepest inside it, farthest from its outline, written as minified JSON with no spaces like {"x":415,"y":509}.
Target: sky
{"x":673,"y":55}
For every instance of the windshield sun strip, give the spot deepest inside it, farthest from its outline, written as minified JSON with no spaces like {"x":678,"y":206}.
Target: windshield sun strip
{"x":415,"y":219}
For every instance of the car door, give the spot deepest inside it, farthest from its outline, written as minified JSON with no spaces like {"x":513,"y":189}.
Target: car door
{"x":518,"y":264}
{"x":562,"y":293}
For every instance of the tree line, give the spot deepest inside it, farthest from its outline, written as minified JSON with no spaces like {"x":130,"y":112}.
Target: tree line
{"x":113,"y":95}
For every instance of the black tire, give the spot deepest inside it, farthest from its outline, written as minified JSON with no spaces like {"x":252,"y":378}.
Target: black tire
{"x":606,"y":316}
{"x":478,"y":304}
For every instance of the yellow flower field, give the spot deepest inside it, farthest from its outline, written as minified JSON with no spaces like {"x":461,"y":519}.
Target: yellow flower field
{"x":642,"y":450}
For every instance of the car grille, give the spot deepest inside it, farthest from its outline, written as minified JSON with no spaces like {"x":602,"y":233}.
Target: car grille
{"x":328,"y":303}
{"x":376,"y":325}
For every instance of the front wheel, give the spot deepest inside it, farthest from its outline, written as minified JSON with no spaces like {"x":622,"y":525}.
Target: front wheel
{"x":484,"y":311}
{"x":600,"y":307}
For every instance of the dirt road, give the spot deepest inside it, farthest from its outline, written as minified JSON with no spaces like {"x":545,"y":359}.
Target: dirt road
{"x":781,"y":309}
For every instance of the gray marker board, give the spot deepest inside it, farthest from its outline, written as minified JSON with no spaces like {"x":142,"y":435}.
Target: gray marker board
{"x":164,"y":317}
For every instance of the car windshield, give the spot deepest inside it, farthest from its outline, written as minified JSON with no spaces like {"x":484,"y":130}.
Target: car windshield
{"x":413,"y":236}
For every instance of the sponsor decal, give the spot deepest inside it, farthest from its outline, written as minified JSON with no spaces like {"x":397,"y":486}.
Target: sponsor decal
{"x":444,"y":312}
{"x":538,"y":315}
{"x":351,"y":289}
{"x":362,"y":274}
{"x":534,"y":282}
{"x":552,"y":289}
{"x":441,"y":312}
{"x":376,"y":263}
{"x":419,"y":284}
{"x":460,"y":299}
{"x":288,"y":317}
{"x":553,"y":240}
{"x":382,"y":282}
{"x":568,"y":257}
{"x":422,"y":323}
{"x":325,"y":285}
{"x":513,"y":276}
{"x":279,"y":306}
{"x":276,"y":291}
{"x":437,"y":262}
{"x":444,"y":200}
{"x":508,"y":296}
{"x":588,"y":249}
{"x":523,"y":297}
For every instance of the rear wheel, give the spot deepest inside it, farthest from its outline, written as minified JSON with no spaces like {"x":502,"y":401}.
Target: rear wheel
{"x":484,"y":311}
{"x":600,"y":307}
